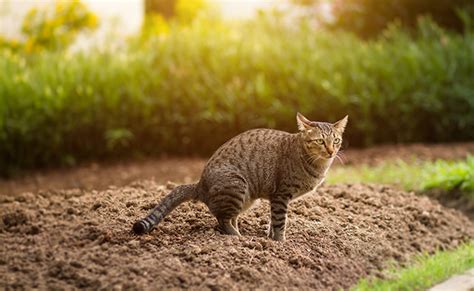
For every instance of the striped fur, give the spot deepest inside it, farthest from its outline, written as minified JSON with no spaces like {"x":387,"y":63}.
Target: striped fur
{"x":179,"y":195}
{"x":260,"y":163}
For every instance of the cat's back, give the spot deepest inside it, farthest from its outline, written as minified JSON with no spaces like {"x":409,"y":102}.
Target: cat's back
{"x":255,"y":146}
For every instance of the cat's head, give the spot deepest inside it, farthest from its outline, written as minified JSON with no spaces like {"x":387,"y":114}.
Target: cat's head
{"x":321,"y":139}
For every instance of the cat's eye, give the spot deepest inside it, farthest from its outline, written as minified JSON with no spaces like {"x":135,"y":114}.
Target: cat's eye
{"x":319,"y":141}
{"x":337,"y":141}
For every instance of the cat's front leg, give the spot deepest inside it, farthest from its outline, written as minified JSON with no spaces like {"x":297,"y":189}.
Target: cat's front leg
{"x":279,"y":208}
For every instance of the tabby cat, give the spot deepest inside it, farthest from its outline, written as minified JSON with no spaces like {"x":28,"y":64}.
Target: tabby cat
{"x":259,"y":163}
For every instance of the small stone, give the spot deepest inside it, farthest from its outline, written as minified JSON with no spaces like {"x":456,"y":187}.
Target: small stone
{"x":134,"y":243}
{"x":96,"y":206}
{"x":131,"y":203}
{"x":76,"y":264}
{"x":20,"y":199}
{"x":195,"y":249}
{"x":294,"y":261}
{"x":34,"y":230}
{"x":170,"y":185}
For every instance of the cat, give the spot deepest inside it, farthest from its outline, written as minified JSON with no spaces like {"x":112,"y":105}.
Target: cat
{"x":259,"y":163}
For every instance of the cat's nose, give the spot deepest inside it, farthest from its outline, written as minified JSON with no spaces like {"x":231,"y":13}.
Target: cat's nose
{"x":330,"y":152}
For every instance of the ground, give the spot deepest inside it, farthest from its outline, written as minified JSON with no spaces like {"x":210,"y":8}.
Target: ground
{"x":99,"y":176}
{"x":74,"y":238}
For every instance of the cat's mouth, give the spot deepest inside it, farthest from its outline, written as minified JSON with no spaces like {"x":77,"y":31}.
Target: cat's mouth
{"x":329,"y":156}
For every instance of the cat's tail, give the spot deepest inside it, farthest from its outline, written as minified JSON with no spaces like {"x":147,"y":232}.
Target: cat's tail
{"x":179,"y":195}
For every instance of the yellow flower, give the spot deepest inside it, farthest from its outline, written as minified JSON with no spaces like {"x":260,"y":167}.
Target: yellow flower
{"x":29,"y":46}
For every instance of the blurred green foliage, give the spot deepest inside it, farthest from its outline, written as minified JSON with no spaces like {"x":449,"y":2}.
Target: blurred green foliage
{"x":160,"y":14}
{"x":58,"y":27}
{"x":413,"y":175}
{"x":189,"y":90}
{"x":370,"y":17}
{"x":52,"y":27}
{"x":451,"y":176}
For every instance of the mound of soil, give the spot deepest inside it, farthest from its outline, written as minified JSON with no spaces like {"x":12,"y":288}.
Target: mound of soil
{"x":453,"y":199}
{"x":75,"y":238}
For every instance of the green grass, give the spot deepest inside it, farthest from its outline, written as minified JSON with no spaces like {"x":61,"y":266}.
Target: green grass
{"x":451,"y":175}
{"x":424,"y":272}
{"x":416,"y":175}
{"x":191,"y":89}
{"x":403,"y":174}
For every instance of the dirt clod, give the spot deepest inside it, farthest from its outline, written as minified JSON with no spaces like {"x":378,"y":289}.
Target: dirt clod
{"x":15,"y":218}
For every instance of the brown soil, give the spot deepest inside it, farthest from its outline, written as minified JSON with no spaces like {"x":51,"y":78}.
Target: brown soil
{"x":81,"y":239}
{"x":454,"y":199}
{"x":101,"y":175}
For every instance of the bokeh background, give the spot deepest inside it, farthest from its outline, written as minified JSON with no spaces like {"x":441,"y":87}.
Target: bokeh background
{"x":98,"y":79}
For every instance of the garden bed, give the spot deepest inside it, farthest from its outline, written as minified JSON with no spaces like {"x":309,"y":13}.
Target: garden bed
{"x":81,"y":238}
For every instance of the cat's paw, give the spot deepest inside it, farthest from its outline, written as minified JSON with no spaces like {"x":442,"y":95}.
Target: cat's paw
{"x":270,"y":232}
{"x":277,"y":236}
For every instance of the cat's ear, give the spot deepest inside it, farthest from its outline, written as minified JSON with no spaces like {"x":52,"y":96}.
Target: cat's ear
{"x":303,"y":122}
{"x":341,"y":124}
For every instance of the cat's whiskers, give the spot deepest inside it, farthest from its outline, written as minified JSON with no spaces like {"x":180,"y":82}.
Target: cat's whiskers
{"x":312,"y":158}
{"x":341,"y":153}
{"x":340,"y":156}
{"x":340,"y":159}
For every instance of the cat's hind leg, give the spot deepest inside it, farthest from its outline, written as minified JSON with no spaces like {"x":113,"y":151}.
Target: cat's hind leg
{"x":226,"y":211}
{"x":235,"y":223}
{"x":226,"y":201}
{"x":227,"y":227}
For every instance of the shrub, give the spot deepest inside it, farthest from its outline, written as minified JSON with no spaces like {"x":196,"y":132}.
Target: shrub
{"x":414,"y":175}
{"x":189,"y":90}
{"x":56,"y":28}
{"x":451,"y":176}
{"x":371,"y":17}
